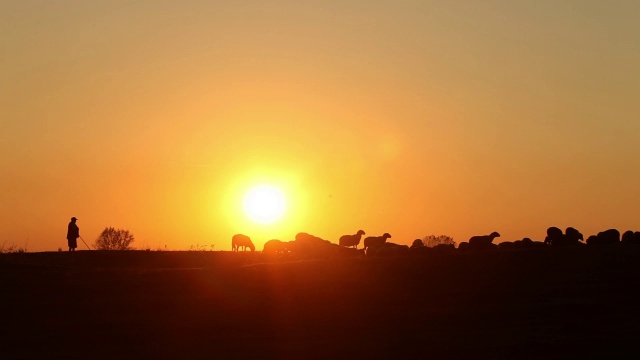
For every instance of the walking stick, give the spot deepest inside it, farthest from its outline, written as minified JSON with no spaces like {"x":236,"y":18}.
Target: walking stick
{"x":85,"y":243}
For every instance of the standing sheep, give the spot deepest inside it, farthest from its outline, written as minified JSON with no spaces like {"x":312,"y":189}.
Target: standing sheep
{"x":239,"y":240}
{"x":375,"y":240}
{"x":482,"y":242}
{"x":351,"y":240}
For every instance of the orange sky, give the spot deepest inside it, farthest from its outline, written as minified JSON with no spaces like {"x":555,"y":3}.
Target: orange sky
{"x":407,"y":117}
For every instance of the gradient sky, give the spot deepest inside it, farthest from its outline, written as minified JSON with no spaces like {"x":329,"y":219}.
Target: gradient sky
{"x":407,"y":117}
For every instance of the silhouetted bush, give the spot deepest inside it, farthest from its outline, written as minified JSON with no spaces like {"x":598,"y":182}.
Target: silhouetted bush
{"x":434,"y":240}
{"x":114,"y":239}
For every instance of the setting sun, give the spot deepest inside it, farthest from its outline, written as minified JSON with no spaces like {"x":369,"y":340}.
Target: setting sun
{"x":264,"y":204}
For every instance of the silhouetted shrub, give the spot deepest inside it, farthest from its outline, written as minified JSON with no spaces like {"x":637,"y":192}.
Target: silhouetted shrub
{"x":114,"y":239}
{"x":434,"y":240}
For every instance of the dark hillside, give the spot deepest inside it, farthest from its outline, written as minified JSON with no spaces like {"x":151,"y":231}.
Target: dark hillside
{"x":548,"y":303}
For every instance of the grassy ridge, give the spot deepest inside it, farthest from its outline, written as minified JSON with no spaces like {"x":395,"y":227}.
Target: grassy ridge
{"x":554,"y":303}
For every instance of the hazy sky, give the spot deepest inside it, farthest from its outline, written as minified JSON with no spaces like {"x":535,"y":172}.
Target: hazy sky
{"x":407,"y":117}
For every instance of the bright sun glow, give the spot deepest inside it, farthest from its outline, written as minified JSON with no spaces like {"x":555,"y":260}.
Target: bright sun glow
{"x":264,"y":204}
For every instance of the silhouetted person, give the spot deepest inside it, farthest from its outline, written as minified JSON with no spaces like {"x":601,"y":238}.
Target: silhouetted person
{"x":73,"y":233}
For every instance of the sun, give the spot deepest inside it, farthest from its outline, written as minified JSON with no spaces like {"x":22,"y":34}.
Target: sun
{"x":264,"y":204}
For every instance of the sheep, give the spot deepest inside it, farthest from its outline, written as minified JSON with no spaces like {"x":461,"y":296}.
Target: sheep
{"x":375,"y":240}
{"x":417,"y":243}
{"x":420,"y":250}
{"x":310,"y":246}
{"x":347,"y":252}
{"x":351,"y":240}
{"x":482,"y":242}
{"x":387,"y":249}
{"x":554,"y":236}
{"x":507,"y":245}
{"x":444,"y":249}
{"x":239,"y":240}
{"x":611,"y":236}
{"x":274,"y":246}
{"x":629,"y":237}
{"x":572,"y":236}
{"x":525,"y":243}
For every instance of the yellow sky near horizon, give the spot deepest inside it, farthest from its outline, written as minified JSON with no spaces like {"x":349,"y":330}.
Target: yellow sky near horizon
{"x":408,"y":117}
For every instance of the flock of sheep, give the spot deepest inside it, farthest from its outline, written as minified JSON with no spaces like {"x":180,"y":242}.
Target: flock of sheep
{"x":306,"y":245}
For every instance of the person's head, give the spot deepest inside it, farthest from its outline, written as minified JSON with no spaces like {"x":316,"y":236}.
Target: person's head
{"x":73,"y":219}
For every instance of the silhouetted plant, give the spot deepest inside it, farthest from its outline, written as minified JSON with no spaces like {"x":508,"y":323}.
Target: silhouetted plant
{"x":114,"y":239}
{"x":433,"y":240}
{"x":199,"y":247}
{"x":13,"y":249}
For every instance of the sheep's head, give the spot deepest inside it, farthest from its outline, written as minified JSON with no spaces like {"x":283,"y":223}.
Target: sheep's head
{"x":386,"y":235}
{"x":360,"y":232}
{"x":574,"y":233}
{"x":494,"y":234}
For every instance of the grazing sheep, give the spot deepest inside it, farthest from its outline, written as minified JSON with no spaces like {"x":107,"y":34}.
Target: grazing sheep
{"x":629,"y":237}
{"x":572,"y":236}
{"x":351,"y":240}
{"x":482,"y":242}
{"x":273,"y":247}
{"x":312,"y":247}
{"x":417,"y":243}
{"x":387,"y":249}
{"x":507,"y":245}
{"x":611,"y":236}
{"x":347,"y":252}
{"x":525,"y":243}
{"x":444,"y":249}
{"x":420,"y":250}
{"x":538,"y":244}
{"x":375,"y":240}
{"x":554,"y":236}
{"x":239,"y":240}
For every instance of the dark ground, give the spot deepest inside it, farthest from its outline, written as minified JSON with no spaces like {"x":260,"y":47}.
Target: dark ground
{"x":545,"y":303}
